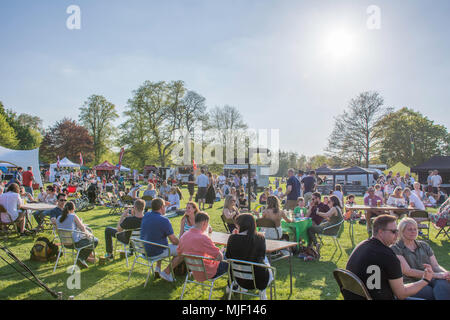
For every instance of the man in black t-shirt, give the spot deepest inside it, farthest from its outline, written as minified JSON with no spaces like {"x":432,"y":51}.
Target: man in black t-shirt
{"x":292,"y":190}
{"x":376,"y":264}
{"x":309,"y":186}
{"x":130,"y":219}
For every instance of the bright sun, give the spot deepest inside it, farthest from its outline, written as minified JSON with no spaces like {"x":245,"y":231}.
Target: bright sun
{"x":339,"y":44}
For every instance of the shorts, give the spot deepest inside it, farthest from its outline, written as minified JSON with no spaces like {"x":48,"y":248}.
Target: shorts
{"x":307,"y":196}
{"x":165,"y":253}
{"x":201,"y":192}
{"x":191,"y":190}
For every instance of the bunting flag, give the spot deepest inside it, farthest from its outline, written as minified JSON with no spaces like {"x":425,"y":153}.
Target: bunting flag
{"x":194,"y":164}
{"x":120,"y":157}
{"x":81,"y":159}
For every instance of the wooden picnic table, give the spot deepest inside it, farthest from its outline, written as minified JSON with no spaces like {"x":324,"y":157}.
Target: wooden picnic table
{"x":272,"y":246}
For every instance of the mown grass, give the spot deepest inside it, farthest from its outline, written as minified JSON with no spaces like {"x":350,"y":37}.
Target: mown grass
{"x":311,"y":280}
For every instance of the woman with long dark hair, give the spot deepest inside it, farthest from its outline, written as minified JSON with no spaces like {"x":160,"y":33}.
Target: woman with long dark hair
{"x":211,"y":192}
{"x":70,"y":221}
{"x":274,"y":213}
{"x":332,"y":218}
{"x":247,"y":244}
{"x":188,"y":220}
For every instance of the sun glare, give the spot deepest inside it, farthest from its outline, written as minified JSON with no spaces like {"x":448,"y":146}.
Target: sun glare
{"x":339,"y":44}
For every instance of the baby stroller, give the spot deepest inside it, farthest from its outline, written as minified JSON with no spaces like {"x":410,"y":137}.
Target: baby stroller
{"x":92,"y":193}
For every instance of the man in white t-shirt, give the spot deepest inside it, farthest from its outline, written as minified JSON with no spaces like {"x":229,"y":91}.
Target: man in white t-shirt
{"x":222,"y":180}
{"x":414,"y":200}
{"x":244,"y":181}
{"x":12,"y":202}
{"x":436,"y":181}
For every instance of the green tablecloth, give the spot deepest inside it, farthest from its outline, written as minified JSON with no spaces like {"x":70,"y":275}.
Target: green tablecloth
{"x":299,"y":227}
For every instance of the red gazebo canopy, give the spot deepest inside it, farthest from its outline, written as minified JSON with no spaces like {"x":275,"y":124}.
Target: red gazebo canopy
{"x":105,"y":166}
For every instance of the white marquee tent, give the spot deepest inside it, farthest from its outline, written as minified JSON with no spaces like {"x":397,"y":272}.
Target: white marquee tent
{"x":63,"y":163}
{"x":24,"y":159}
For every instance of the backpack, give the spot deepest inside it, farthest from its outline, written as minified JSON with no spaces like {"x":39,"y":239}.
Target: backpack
{"x":180,"y":270}
{"x":307,"y":252}
{"x":43,"y":250}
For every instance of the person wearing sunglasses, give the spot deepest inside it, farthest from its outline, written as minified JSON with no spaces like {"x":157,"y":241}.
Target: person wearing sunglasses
{"x":378,"y":267}
{"x":39,"y":216}
{"x":57,"y":211}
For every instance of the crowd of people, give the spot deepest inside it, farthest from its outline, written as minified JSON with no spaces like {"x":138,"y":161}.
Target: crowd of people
{"x":408,"y":266}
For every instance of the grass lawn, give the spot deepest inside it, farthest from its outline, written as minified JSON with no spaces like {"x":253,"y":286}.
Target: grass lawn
{"x":311,"y":280}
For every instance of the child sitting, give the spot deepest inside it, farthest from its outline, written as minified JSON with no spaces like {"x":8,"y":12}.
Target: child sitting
{"x":300,"y":209}
{"x":351,"y":214}
{"x":430,"y":200}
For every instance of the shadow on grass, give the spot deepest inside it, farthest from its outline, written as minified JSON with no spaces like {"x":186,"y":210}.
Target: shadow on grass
{"x":56,"y":281}
{"x":322,"y":271}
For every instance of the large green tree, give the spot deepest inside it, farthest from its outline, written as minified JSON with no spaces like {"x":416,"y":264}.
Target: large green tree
{"x":27,"y":128}
{"x":355,"y":136}
{"x":411,"y":138}
{"x":8,"y":137}
{"x":97,"y":115}
{"x":153,"y":115}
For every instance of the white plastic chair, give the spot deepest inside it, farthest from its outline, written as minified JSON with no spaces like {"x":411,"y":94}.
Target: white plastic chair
{"x":141,"y":254}
{"x":196,"y":263}
{"x":245,"y":270}
{"x":66,"y":241}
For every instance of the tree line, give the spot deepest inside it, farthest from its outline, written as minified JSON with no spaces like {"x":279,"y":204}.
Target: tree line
{"x":366,"y":132}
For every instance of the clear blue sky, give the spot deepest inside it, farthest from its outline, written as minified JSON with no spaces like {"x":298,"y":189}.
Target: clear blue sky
{"x":289,"y":64}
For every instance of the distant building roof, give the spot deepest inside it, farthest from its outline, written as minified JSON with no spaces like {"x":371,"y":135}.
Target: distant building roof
{"x":352,"y":171}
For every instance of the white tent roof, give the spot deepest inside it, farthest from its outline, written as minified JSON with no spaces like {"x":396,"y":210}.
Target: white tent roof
{"x":7,"y":165}
{"x":124,"y":169}
{"x":66,"y":163}
{"x":24,"y":159}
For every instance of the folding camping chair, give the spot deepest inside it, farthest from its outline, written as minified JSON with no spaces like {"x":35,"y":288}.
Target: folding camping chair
{"x":445,"y":230}
{"x":114,"y":204}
